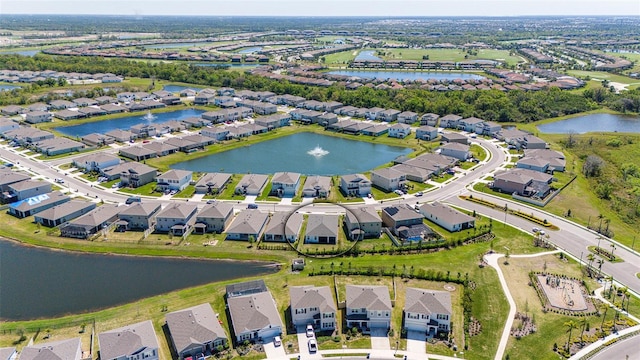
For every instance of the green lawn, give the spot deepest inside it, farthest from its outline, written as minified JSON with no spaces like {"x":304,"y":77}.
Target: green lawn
{"x":442,"y":178}
{"x":601,"y":75}
{"x":146,"y":189}
{"x":450,"y":55}
{"x":186,"y":193}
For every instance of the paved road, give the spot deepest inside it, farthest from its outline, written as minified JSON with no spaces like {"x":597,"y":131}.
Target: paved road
{"x":628,"y":349}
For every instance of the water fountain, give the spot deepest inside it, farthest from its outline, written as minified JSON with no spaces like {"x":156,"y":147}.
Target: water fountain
{"x":149,"y":116}
{"x":317,"y":152}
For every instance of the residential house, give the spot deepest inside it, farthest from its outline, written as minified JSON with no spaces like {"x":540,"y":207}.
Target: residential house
{"x":97,"y":140}
{"x":138,"y":216}
{"x":321,"y":229}
{"x":61,"y":104}
{"x":283,"y":226}
{"x":113,"y":108}
{"x":102,"y":100}
{"x":96,"y":161}
{"x":488,"y":128}
{"x":373,"y":113}
{"x":533,"y":163}
{"x":132,"y":342}
{"x":224,"y":101}
{"x":8,"y":177}
{"x":212,"y":183}
{"x":253,"y":312}
{"x":447,"y":217}
{"x":285,"y":184}
{"x":135,"y":174}
{"x":27,"y":135}
{"x":450,"y":121}
{"x":248,"y":224}
{"x":355,"y":185}
{"x":11,"y":110}
{"x":406,"y":223}
{"x":214,"y":217}
{"x":161,"y":148}
{"x":64,"y":212}
{"x":555,"y":159}
{"x":533,"y":142}
{"x":67,"y":349}
{"x":204,"y":98}
{"x":455,"y":150}
{"x":313,"y":305}
{"x":452,"y":137}
{"x":523,"y":182}
{"x":317,"y":186}
{"x":469,"y":124}
{"x":427,"y":311}
{"x":218,"y":133}
{"x":36,"y":204}
{"x":407,"y":117}
{"x":68,"y":114}
{"x":121,"y":135}
{"x":137,"y":153}
{"x":7,"y":125}
{"x":273,"y":121}
{"x":326,"y":119}
{"x":399,"y":131}
{"x":375,"y":130}
{"x":195,"y":330}
{"x":144,"y":130}
{"x":259,"y":107}
{"x":251,"y":184}
{"x":332,"y":105}
{"x":38,"y":107}
{"x":429,"y":119}
{"x":57,"y":146}
{"x":173,"y":179}
{"x":25,"y":189}
{"x":177,"y":219}
{"x":388,"y":179}
{"x":368,"y":307}
{"x":36,"y":117}
{"x":413,"y":173}
{"x":83,"y":101}
{"x":426,"y":132}
{"x":89,"y":224}
{"x":363,"y":223}
{"x":388,"y":115}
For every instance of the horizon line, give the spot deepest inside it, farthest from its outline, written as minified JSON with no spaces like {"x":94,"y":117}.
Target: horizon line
{"x":332,"y":16}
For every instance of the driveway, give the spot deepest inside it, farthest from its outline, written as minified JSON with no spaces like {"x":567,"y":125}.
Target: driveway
{"x":272,"y":351}
{"x":303,"y":343}
{"x":379,"y":339}
{"x":416,"y":342}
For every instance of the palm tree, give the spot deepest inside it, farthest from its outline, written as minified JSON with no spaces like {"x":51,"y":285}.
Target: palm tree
{"x":583,"y":322}
{"x":600,"y":262}
{"x":604,"y":307}
{"x":590,"y":257}
{"x":613,"y":247}
{"x":570,"y":325}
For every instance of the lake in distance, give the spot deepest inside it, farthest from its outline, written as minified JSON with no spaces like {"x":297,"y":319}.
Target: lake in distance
{"x":593,"y":123}
{"x":291,"y":153}
{"x":42,"y":283}
{"x":125,"y":123}
{"x":407,"y":75}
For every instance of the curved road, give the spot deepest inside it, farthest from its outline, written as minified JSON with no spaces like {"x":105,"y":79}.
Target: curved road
{"x":571,"y":237}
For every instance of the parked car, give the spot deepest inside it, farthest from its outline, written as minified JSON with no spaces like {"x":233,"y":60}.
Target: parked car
{"x":252,"y":206}
{"x":313,"y":346}
{"x":399,"y":192}
{"x":277,"y":341}
{"x":310,"y":332}
{"x":8,"y":165}
{"x":132,"y":199}
{"x":59,"y":181}
{"x":419,"y":193}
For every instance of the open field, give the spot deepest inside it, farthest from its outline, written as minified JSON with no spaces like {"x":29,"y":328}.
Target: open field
{"x":601,"y":75}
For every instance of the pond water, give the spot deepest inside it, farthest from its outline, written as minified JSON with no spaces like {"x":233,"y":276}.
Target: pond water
{"x":408,"y":75}
{"x":593,"y":123}
{"x":305,"y":153}
{"x":20,"y":52}
{"x":125,"y":123}
{"x":172,"y":46}
{"x":8,"y":87}
{"x":225,"y":65}
{"x":250,"y":50}
{"x":177,"y":88}
{"x":367,"y":55}
{"x":39,"y":282}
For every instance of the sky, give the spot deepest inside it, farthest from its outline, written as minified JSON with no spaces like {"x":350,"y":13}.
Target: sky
{"x":324,"y":7}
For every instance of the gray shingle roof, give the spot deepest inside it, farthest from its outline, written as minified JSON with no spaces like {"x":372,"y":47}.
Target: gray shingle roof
{"x":68,"y":349}
{"x":248,"y":221}
{"x":65,"y":209}
{"x":174,"y":174}
{"x":312,"y":296}
{"x":443,"y":211}
{"x":127,"y":340}
{"x":285,"y":178}
{"x":6,"y":352}
{"x":98,"y":216}
{"x":368,"y":297}
{"x":252,"y":312}
{"x":177,"y":211}
{"x":277,"y":223}
{"x":322,"y":225}
{"x":195,"y":325}
{"x":424,"y":301}
{"x":363,"y":215}
{"x":216,"y":210}
{"x":140,"y":209}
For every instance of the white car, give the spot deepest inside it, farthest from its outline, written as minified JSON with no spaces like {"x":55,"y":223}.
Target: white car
{"x":277,"y":341}
{"x":313,"y":346}
{"x":310,"y":332}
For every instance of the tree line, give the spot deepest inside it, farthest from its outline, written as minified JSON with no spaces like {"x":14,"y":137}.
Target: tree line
{"x":495,"y":105}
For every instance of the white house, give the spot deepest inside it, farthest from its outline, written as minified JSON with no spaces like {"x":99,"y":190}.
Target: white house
{"x":174,"y":179}
{"x":368,"y":307}
{"x":36,"y":117}
{"x":427,"y":311}
{"x":447,"y":217}
{"x":254,"y":314}
{"x":455,"y":150}
{"x":400,"y":131}
{"x":426,"y":132}
{"x":96,"y":161}
{"x":285,"y":184}
{"x":355,"y":185}
{"x":313,"y":305}
{"x":388,"y":179}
